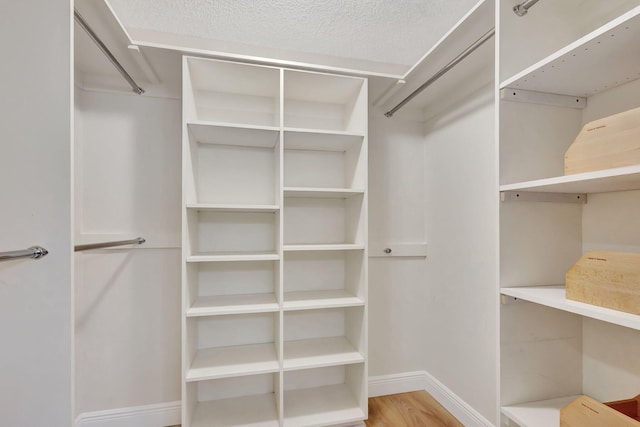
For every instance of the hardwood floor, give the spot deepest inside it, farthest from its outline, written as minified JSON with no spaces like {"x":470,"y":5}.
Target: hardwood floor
{"x":415,"y":409}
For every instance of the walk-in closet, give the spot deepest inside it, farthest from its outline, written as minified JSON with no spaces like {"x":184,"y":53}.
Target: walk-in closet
{"x":278,"y":213}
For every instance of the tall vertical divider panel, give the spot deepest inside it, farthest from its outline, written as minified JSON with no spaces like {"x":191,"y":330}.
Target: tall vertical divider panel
{"x":274,"y":246}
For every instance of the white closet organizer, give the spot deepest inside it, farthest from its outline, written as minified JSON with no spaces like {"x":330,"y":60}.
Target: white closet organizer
{"x":551,"y":348}
{"x":275,"y":238}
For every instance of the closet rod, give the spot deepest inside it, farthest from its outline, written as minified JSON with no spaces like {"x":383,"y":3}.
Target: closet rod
{"x":136,"y":241}
{"x":468,"y":51}
{"x":80,"y":20}
{"x":522,"y":8}
{"x":34,"y":252}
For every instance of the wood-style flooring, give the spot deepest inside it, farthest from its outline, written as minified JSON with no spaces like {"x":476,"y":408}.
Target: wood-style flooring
{"x":415,"y":409}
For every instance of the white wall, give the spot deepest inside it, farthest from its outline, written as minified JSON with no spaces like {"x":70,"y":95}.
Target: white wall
{"x":127,"y":184}
{"x":35,"y":209}
{"x":397,"y":292}
{"x":459,"y":324}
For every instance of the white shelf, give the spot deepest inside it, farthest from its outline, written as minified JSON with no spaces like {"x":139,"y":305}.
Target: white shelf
{"x":219,"y":207}
{"x":545,"y":413}
{"x":584,"y":67}
{"x":233,"y":412}
{"x":325,"y":247}
{"x":338,"y":193}
{"x":554,"y":296}
{"x":317,"y":353}
{"x":617,"y":179}
{"x":234,"y":134}
{"x":303,"y":300}
{"x":320,"y":140}
{"x":233,"y":304}
{"x":321,"y":406}
{"x":223,"y":362}
{"x":233,"y":256}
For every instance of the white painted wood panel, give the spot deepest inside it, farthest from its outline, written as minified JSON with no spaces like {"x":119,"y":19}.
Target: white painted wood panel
{"x":36,"y":171}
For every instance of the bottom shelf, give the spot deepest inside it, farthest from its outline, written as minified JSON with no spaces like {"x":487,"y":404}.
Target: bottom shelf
{"x":321,"y":406}
{"x":545,"y":413}
{"x":254,"y":411}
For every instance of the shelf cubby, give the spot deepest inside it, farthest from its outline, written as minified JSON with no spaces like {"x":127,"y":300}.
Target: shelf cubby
{"x":324,"y":102}
{"x":324,"y":279}
{"x":321,"y":161}
{"x":232,"y":288}
{"x":323,"y":337}
{"x":225,"y":402}
{"x":231,"y":165}
{"x":232,"y":345}
{"x":324,"y":220}
{"x":325,"y":396}
{"x":228,"y":92}
{"x":220,"y":233}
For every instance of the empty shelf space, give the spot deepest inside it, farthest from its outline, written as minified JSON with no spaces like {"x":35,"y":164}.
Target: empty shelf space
{"x":321,"y":406}
{"x":554,"y":296}
{"x":320,"y":352}
{"x":325,"y":247}
{"x":583,"y":68}
{"x":233,"y":304}
{"x":233,"y":256}
{"x":222,"y":362}
{"x":233,"y":412}
{"x":340,"y":193}
{"x":232,"y":134}
{"x":617,"y":179}
{"x":301,"y":300}
{"x":219,"y":207}
{"x":545,"y":413}
{"x":318,"y":140}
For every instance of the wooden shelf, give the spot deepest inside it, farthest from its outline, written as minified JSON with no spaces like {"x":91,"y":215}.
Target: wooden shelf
{"x":233,"y":412}
{"x":234,"y":134}
{"x":338,"y":193}
{"x":223,"y":362}
{"x":545,"y":413}
{"x":317,"y":353}
{"x":233,"y":256}
{"x":617,"y":179}
{"x":325,"y":247}
{"x":304,"y":300}
{"x":554,"y":296}
{"x":321,"y":406}
{"x":219,"y":207}
{"x":583,"y":68}
{"x":233,"y":304}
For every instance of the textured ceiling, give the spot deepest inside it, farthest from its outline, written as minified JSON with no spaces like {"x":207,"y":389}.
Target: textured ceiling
{"x":392,"y":31}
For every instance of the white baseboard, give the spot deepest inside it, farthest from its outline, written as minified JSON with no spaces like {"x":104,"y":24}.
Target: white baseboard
{"x":397,"y":383}
{"x":159,"y":415}
{"x":460,"y":409}
{"x":168,"y":414}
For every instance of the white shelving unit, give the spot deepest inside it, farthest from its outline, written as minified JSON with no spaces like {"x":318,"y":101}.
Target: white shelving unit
{"x":275,"y":246}
{"x":551,"y":347}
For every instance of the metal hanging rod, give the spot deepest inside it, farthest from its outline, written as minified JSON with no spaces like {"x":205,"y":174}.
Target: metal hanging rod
{"x":136,"y":241}
{"x":468,"y":51}
{"x":522,"y":8}
{"x":80,"y":20}
{"x":34,"y":252}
